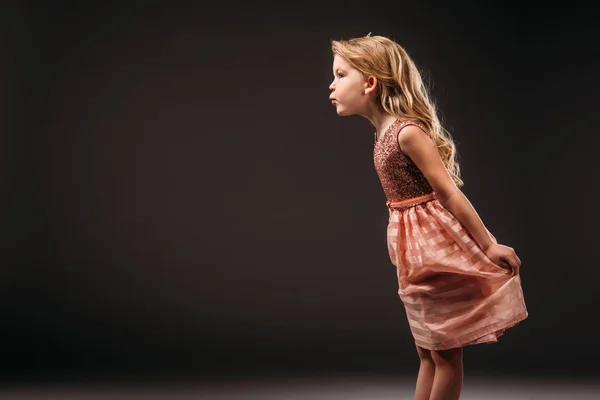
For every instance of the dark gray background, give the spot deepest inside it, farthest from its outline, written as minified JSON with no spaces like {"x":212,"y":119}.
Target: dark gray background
{"x":179,"y":196}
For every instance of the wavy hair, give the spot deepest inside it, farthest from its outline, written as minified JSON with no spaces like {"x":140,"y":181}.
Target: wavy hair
{"x":402,"y":91}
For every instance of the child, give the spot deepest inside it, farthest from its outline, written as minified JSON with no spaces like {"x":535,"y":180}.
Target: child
{"x":458,"y":285}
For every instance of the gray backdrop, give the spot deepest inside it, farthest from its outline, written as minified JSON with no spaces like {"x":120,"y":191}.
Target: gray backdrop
{"x":179,"y":196}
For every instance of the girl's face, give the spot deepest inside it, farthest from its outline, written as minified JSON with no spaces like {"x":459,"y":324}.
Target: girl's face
{"x":348,"y":88}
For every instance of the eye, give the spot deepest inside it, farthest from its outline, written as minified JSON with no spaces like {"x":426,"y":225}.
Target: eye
{"x":340,"y":75}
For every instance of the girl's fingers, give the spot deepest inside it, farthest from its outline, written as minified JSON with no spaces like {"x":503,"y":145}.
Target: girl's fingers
{"x":504,"y":263}
{"x":517,"y":264}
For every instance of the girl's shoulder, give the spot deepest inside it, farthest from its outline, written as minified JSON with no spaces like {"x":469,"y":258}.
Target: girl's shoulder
{"x":408,"y":122}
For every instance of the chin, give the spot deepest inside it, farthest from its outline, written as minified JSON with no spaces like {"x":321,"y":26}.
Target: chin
{"x":343,"y":112}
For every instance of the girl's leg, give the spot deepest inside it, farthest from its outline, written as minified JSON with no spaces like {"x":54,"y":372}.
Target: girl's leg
{"x":447,"y":383}
{"x":426,"y":374}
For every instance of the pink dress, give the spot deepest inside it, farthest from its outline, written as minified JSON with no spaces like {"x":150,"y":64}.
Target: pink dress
{"x":453,"y":294}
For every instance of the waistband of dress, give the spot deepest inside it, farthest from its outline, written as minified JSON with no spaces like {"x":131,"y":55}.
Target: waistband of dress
{"x":404,"y":204}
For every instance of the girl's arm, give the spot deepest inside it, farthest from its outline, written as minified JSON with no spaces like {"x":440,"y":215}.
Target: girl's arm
{"x":422,"y":150}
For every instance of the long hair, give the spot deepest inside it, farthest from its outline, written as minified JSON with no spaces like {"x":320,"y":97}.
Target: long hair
{"x":402,"y":91}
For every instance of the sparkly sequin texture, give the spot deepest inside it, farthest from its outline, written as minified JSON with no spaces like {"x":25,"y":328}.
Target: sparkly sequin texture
{"x":400,"y":178}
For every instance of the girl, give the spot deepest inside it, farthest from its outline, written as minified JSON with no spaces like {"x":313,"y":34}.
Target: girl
{"x":459,"y":286}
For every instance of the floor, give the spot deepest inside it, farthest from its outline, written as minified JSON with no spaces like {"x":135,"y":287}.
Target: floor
{"x":334,"y":388}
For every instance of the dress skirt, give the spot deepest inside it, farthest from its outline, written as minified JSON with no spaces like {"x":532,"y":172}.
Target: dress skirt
{"x":453,"y":294}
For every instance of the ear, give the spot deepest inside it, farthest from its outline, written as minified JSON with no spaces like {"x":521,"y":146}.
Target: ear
{"x":370,"y":84}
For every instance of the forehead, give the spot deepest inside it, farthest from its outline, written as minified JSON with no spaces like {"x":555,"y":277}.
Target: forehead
{"x":339,"y":62}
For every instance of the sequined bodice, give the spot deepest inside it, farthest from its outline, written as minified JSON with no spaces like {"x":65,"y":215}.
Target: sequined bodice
{"x":400,"y":178}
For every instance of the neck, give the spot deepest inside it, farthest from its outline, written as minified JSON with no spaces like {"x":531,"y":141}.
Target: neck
{"x":381,"y":120}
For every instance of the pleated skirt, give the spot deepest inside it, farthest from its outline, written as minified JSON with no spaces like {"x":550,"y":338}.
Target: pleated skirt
{"x":453,"y":294}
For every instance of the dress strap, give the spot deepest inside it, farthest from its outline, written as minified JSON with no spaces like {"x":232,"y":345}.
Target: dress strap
{"x":406,"y":123}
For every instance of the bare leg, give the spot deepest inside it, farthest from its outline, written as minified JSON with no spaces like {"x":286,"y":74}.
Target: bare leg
{"x":426,"y":374}
{"x":447,"y":383}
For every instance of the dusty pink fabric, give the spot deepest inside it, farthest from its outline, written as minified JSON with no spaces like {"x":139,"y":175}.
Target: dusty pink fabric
{"x":453,"y":294}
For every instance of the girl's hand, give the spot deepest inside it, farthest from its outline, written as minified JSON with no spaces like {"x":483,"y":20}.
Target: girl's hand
{"x":503,"y":256}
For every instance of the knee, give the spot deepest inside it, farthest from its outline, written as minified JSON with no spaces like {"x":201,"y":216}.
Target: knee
{"x":447,"y":357}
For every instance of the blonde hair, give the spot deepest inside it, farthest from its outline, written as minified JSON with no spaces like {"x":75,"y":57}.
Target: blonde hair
{"x":402,"y":91}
